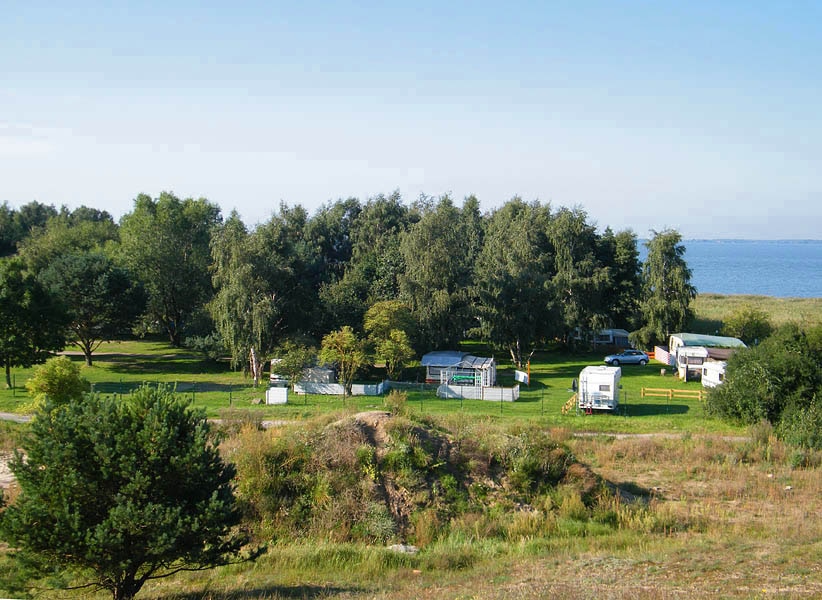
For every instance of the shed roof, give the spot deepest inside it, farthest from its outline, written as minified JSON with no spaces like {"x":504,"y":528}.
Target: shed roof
{"x":455,"y":358}
{"x":476,"y":362}
{"x":709,"y":341}
{"x":442,"y":358}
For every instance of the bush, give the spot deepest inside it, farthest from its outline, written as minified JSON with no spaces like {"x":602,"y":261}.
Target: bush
{"x":801,"y":425}
{"x":762,"y":383}
{"x":58,"y":380}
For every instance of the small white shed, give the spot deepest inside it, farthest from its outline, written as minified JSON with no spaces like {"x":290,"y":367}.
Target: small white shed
{"x":459,"y":368}
{"x":599,"y":388}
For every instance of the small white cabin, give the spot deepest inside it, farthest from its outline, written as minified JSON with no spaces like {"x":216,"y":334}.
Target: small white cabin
{"x":599,"y":388}
{"x":713,"y":373}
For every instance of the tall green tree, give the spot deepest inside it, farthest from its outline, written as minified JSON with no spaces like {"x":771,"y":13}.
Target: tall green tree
{"x":102,"y":300}
{"x":122,"y":492}
{"x":580,"y":282}
{"x":514,"y":301}
{"x":166,"y":244}
{"x":438,"y":275}
{"x":32,"y":215}
{"x":667,"y":290}
{"x":619,"y":252}
{"x":32,"y":320}
{"x":373,"y":271}
{"x":82,"y":230}
{"x":329,"y":230}
{"x":346,"y":352}
{"x":394,"y":350}
{"x":10,"y":234}
{"x":265,"y":285}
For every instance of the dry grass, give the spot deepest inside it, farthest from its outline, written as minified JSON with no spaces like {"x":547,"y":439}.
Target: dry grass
{"x":712,"y":309}
{"x":717,"y":518}
{"x":723,"y":518}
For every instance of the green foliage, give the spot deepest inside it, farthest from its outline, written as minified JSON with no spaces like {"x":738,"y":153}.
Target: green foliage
{"x":667,"y":289}
{"x":778,"y":381}
{"x":122,"y":492}
{"x":85,"y":230}
{"x":294,"y":358}
{"x":620,"y":254}
{"x":388,"y":324}
{"x":581,"y":282}
{"x":211,"y":345}
{"x":801,"y":424}
{"x":385,"y":316}
{"x":101,"y":299}
{"x":264,"y":285}
{"x":344,"y":350}
{"x":57,"y":380}
{"x":165,"y":243}
{"x":535,"y":462}
{"x":395,"y":351}
{"x":513,"y":299}
{"x":32,"y":320}
{"x":439,"y":252}
{"x":749,"y":324}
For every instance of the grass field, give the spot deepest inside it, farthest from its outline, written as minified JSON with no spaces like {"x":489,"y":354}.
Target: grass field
{"x":711,"y":309}
{"x":121,"y":366}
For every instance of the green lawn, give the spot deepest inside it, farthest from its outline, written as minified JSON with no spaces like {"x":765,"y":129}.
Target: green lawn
{"x":121,"y":366}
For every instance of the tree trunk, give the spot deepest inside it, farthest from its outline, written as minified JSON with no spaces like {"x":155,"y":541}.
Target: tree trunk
{"x":8,"y":375}
{"x":256,"y":367}
{"x":87,"y":353}
{"x":126,"y":589}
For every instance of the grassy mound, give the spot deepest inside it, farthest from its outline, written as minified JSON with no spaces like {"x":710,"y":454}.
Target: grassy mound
{"x":377,"y":477}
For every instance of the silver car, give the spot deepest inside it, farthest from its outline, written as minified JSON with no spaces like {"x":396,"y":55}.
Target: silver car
{"x":627,"y":357}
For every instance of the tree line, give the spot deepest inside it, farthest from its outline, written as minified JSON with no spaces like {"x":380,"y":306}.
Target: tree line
{"x":515,"y":277}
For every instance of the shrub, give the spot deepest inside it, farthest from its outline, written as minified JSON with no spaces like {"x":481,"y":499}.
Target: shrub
{"x":58,"y":380}
{"x":396,"y":402}
{"x":801,"y":424}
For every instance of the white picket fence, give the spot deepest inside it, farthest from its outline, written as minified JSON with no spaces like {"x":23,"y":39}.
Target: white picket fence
{"x":498,"y":394}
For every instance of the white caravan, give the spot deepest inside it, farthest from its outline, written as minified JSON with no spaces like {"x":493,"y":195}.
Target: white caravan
{"x":713,"y":373}
{"x":599,"y":388}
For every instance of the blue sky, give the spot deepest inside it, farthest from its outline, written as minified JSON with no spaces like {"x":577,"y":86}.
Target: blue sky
{"x":702,"y":116}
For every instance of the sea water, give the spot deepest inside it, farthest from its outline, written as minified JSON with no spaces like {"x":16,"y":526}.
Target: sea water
{"x":780,"y":268}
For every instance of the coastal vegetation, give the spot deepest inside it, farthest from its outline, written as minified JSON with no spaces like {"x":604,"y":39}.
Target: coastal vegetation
{"x":388,"y":496}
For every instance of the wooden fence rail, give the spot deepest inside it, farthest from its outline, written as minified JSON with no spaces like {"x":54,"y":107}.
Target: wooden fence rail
{"x":571,"y":404}
{"x":670,"y":394}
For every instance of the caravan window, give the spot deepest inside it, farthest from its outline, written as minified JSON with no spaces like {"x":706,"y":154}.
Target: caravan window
{"x":605,"y":388}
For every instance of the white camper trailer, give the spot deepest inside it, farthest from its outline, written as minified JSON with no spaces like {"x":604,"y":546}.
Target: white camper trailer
{"x":689,"y":361}
{"x":713,"y":373}
{"x":599,"y":388}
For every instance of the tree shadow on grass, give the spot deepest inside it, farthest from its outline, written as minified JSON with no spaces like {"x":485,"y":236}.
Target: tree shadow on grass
{"x":181,"y":387}
{"x":159,"y":364}
{"x":645,"y":410}
{"x":298,"y":591}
